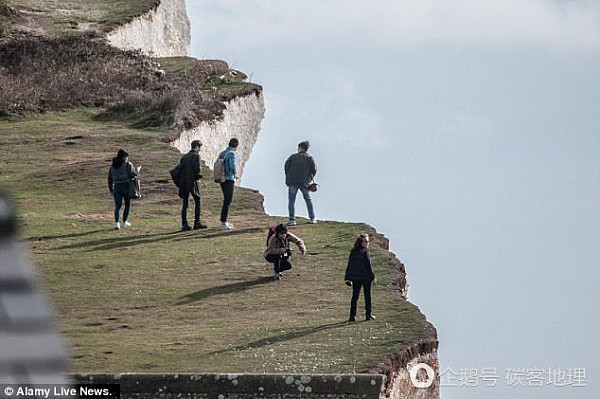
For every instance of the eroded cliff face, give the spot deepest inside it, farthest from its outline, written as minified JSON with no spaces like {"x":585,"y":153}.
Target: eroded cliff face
{"x":162,"y":32}
{"x":165,"y":32}
{"x":241,"y":119}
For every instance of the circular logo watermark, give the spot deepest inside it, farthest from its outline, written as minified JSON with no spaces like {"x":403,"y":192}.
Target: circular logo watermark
{"x":8,"y":391}
{"x":418,"y":383}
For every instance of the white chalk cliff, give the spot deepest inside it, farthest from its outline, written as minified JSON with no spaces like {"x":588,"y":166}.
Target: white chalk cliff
{"x":165,"y":32}
{"x":162,"y":32}
{"x":241,"y":119}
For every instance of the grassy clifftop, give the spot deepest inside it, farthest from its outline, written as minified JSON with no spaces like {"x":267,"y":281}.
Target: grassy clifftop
{"x":152,"y":298}
{"x":45,"y":17}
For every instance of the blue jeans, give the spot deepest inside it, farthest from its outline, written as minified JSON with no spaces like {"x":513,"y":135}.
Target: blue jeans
{"x":292,"y":191}
{"x":121,"y":192}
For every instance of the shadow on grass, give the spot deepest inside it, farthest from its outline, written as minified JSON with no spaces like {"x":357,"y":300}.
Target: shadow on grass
{"x":119,"y":241}
{"x":259,"y":343}
{"x":122,"y":241}
{"x":71,"y":235}
{"x":223,"y":289}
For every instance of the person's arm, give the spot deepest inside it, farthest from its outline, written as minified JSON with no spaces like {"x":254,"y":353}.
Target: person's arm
{"x":197,"y":170}
{"x":313,"y":168}
{"x":298,"y":241}
{"x":110,"y":179}
{"x":370,"y":265}
{"x":347,"y":274}
{"x":131,"y":170}
{"x":286,"y":166}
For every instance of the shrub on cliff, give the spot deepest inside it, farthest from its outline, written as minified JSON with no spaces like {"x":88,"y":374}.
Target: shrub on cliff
{"x":48,"y":74}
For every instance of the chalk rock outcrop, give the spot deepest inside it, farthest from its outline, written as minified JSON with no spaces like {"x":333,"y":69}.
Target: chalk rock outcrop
{"x":241,"y":119}
{"x":164,"y":31}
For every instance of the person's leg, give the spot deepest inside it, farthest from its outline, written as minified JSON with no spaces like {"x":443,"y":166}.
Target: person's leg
{"x":355,"y":293}
{"x":285,"y":264}
{"x":227,"y":188}
{"x":309,"y":204}
{"x":118,"y":201}
{"x":368,"y":309}
{"x":127,"y":207}
{"x":184,"y":209}
{"x":197,"y":205}
{"x":276,"y":261}
{"x":292,"y":191}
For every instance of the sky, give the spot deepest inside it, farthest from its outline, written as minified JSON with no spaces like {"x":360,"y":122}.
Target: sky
{"x":467,"y":132}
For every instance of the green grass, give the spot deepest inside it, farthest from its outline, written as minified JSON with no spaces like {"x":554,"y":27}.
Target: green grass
{"x":65,"y":16}
{"x":153,"y":299}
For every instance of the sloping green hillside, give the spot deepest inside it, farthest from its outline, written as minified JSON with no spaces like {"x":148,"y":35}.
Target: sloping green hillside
{"x":153,"y":298}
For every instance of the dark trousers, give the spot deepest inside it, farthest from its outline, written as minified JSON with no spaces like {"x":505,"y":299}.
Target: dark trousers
{"x":356,"y":285}
{"x":184,"y":208}
{"x":121,"y":194}
{"x":280,"y":263}
{"x":227,"y":188}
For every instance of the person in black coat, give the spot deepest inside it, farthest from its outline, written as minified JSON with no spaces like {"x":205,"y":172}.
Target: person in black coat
{"x":359,"y":273}
{"x":190,"y":184}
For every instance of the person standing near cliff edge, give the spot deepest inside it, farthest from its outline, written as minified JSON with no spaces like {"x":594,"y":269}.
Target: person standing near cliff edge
{"x":229,"y":166}
{"x":300,"y":169}
{"x":190,"y":184}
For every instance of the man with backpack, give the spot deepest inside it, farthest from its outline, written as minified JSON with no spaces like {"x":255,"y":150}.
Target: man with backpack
{"x":300,"y":169}
{"x":278,"y":250}
{"x":230,"y":174}
{"x":189,"y":183}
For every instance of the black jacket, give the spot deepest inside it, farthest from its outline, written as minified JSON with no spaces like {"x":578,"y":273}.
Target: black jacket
{"x":300,"y":169}
{"x":359,"y":267}
{"x":190,"y":174}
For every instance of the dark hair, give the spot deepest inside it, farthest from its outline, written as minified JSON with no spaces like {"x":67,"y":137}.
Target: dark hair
{"x":196,"y":143}
{"x":234,"y":143}
{"x":358,"y":243}
{"x":281,"y":228}
{"x":120,"y":158}
{"x":304,"y":145}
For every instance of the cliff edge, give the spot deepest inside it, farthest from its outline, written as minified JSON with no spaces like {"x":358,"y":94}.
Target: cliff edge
{"x":83,"y":98}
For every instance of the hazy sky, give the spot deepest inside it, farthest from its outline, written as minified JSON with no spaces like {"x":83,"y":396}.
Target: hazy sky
{"x":467,"y":132}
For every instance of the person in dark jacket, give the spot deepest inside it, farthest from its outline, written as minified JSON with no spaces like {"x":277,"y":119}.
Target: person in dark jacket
{"x":359,"y":273}
{"x":190,"y":184}
{"x":120,"y":173}
{"x":300,"y":169}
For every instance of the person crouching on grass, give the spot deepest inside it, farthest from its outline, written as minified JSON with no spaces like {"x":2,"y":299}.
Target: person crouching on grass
{"x":278,"y":250}
{"x":360,"y":273}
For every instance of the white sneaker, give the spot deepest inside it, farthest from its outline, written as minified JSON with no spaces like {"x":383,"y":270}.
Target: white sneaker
{"x":291,"y":222}
{"x":277,"y":276}
{"x":126,"y":224}
{"x":313,"y":221}
{"x":117,"y":226}
{"x":226,"y":226}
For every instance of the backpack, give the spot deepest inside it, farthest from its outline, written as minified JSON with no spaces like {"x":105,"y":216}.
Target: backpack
{"x":270,"y":233}
{"x":176,"y":174}
{"x":219,"y":170}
